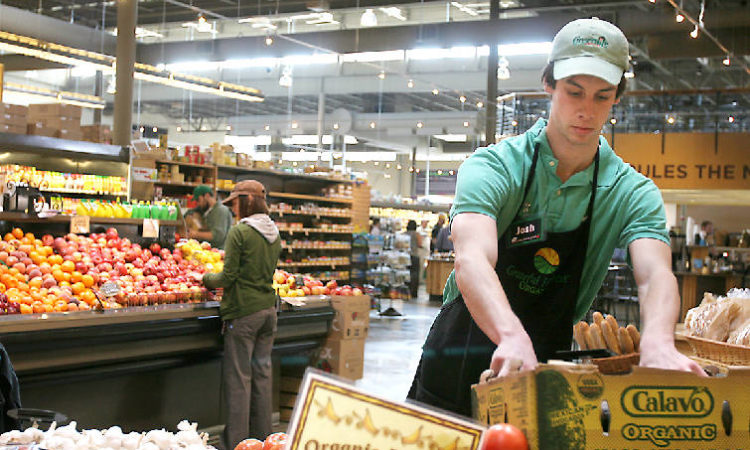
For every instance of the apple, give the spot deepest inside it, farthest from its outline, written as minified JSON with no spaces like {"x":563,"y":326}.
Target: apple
{"x":111,"y":233}
{"x":155,"y":248}
{"x":48,"y":240}
{"x":306,"y":290}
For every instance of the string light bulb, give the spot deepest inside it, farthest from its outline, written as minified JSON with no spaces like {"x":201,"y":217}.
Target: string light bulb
{"x":420,"y":124}
{"x":410,"y":84}
{"x":613,"y":121}
{"x":694,"y":33}
{"x":335,"y":126}
{"x":670,"y":120}
{"x":727,"y":61}
{"x":179,"y":129}
{"x":269,"y":40}
{"x":435,"y":91}
{"x":398,"y":167}
{"x":731,"y":119}
{"x":462,"y":99}
{"x":679,"y":18}
{"x":480,"y":104}
{"x":267,"y":127}
{"x":652,"y":1}
{"x":372,"y":124}
{"x":381,"y":75}
{"x":466,"y":124}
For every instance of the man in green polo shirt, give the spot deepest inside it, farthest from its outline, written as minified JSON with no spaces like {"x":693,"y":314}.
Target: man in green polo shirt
{"x":217,"y":217}
{"x":535,"y":221}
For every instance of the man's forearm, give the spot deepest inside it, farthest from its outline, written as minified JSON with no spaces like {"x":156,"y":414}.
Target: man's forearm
{"x":202,"y":235}
{"x":485,"y":298}
{"x":659,"y":305}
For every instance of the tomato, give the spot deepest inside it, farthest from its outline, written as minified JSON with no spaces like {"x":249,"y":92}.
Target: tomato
{"x":504,"y":436}
{"x":275,"y":441}
{"x":250,"y":444}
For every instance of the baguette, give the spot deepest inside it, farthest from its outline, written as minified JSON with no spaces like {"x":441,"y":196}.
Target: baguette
{"x":610,"y":338}
{"x":597,"y":339}
{"x":613,"y":325}
{"x":579,"y":335}
{"x":635,"y":336}
{"x":586,"y":335}
{"x":626,"y":342}
{"x":598,"y":317}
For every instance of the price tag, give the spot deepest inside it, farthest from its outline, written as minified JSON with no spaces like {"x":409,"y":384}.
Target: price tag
{"x":110,"y":289}
{"x":144,"y":174}
{"x":331,"y":414}
{"x":79,"y":224}
{"x":307,"y":233}
{"x":150,"y":228}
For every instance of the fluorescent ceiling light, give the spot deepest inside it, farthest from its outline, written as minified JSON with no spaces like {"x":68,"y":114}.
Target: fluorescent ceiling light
{"x":442,"y":157}
{"x":368,"y":19}
{"x":323,"y":18}
{"x":263,"y":23}
{"x":464,"y":8}
{"x":370,"y":156}
{"x":451,"y":137}
{"x":299,"y":156}
{"x":201,"y":26}
{"x":141,"y":33}
{"x":520,"y":49}
{"x":83,"y":71}
{"x":395,"y":12}
{"x":68,"y":98}
{"x":247,"y":63}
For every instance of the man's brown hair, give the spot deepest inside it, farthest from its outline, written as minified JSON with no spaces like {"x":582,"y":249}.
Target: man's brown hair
{"x":548,"y":78}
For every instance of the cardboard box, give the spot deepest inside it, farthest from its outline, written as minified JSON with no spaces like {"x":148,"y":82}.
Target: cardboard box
{"x":73,"y":134}
{"x":18,"y":120}
{"x":565,"y":407}
{"x":4,"y":128}
{"x":15,"y":110}
{"x":97,"y":133}
{"x":60,"y":123}
{"x":55,"y":110}
{"x":352,"y":318}
{"x":40,"y":130}
{"x":290,"y":384}
{"x":343,"y":357}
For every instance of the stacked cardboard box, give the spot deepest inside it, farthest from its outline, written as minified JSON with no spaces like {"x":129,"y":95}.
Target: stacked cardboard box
{"x":101,"y":134}
{"x":55,"y":119}
{"x":13,"y":118}
{"x":344,"y":351}
{"x":288,"y":390}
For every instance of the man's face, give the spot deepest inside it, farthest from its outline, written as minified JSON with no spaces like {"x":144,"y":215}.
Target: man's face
{"x":203,"y":201}
{"x":580,"y":106}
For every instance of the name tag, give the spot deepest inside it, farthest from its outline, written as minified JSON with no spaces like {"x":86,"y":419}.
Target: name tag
{"x":525,"y":232}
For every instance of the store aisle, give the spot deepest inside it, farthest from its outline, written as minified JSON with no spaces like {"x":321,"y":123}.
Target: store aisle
{"x":394,"y":345}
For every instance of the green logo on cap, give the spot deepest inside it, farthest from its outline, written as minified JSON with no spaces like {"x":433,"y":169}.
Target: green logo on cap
{"x":600,"y":42}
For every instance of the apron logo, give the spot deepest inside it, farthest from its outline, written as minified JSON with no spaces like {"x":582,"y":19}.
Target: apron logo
{"x":546,"y":260}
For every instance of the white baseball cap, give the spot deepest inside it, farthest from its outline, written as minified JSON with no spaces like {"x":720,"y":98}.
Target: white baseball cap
{"x":590,"y":47}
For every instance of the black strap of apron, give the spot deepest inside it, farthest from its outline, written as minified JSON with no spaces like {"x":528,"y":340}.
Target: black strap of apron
{"x":532,"y":173}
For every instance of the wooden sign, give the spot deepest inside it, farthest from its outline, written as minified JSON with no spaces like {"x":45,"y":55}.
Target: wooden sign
{"x":334,"y":414}
{"x":150,"y":228}
{"x":80,"y":224}
{"x":688,"y":160}
{"x":144,"y":174}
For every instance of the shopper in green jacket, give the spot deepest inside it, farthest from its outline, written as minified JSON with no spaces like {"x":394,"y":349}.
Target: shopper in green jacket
{"x":248,"y":309}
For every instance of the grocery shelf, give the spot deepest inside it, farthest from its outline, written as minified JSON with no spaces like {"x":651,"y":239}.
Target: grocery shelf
{"x":43,"y":145}
{"x":281,"y":174}
{"x":21,"y":218}
{"x":307,"y":213}
{"x":170,"y":183}
{"x":317,"y":198}
{"x":185,"y":164}
{"x":313,"y":264}
{"x":84,"y":192}
{"x":328,"y":247}
{"x":311,"y":230}
{"x":430,"y":208}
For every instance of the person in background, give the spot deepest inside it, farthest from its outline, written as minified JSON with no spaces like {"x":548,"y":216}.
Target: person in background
{"x":248,"y":310}
{"x":375,"y":227}
{"x":706,"y":235}
{"x":436,"y":229}
{"x":415,"y":243}
{"x":217,"y":217}
{"x":424,"y":248}
{"x":443,"y":242}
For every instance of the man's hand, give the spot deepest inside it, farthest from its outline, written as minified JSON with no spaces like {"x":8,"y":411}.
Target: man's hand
{"x":663,"y":355}
{"x":660,"y":304}
{"x":515,"y":353}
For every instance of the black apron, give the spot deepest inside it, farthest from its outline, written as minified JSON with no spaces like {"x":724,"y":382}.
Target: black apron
{"x":540,"y":275}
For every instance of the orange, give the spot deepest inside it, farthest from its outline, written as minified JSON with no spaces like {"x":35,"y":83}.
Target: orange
{"x":36,"y":257}
{"x":78,"y":288}
{"x":45,"y":268}
{"x":2,"y":288}
{"x":36,"y":283}
{"x":38,"y":307}
{"x":68,"y":266}
{"x":30,"y":236}
{"x":61,"y":306}
{"x":75,"y":276}
{"x":55,"y":259}
{"x":48,"y":308}
{"x":47,"y":250}
{"x":14,"y":271}
{"x":8,"y":237}
{"x":26,"y":309}
{"x":88,"y":296}
{"x":87,"y":280}
{"x":63,"y":283}
{"x":17,"y":233}
{"x":66,"y":277}
{"x":83,"y":306}
{"x":59,"y":275}
{"x":72,"y":307}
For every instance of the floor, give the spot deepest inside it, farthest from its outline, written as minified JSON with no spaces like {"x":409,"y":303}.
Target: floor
{"x":394,"y":345}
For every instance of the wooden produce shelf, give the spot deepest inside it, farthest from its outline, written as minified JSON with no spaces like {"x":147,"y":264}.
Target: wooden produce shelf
{"x":317,"y":198}
{"x":314,"y":264}
{"x":332,"y":247}
{"x":171,"y":183}
{"x":185,"y":164}
{"x":307,"y":213}
{"x":83,"y":192}
{"x":306,"y":231}
{"x":281,"y":174}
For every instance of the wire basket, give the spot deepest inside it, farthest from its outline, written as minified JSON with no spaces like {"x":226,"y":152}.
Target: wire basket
{"x":617,"y":364}
{"x":730,"y":354}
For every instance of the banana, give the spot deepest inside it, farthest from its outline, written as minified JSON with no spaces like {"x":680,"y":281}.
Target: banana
{"x":451,"y":446}
{"x":412,"y":438}
{"x":330,"y":413}
{"x":369,"y":426}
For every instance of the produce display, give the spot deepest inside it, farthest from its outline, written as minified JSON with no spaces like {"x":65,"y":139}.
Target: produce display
{"x":605,"y":333}
{"x":275,"y":441}
{"x":504,"y":436}
{"x":211,"y":258}
{"x":69,"y":438}
{"x":116,"y":209}
{"x":64,"y":182}
{"x":65,"y":273}
{"x":722,"y":318}
{"x":286,"y":285}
